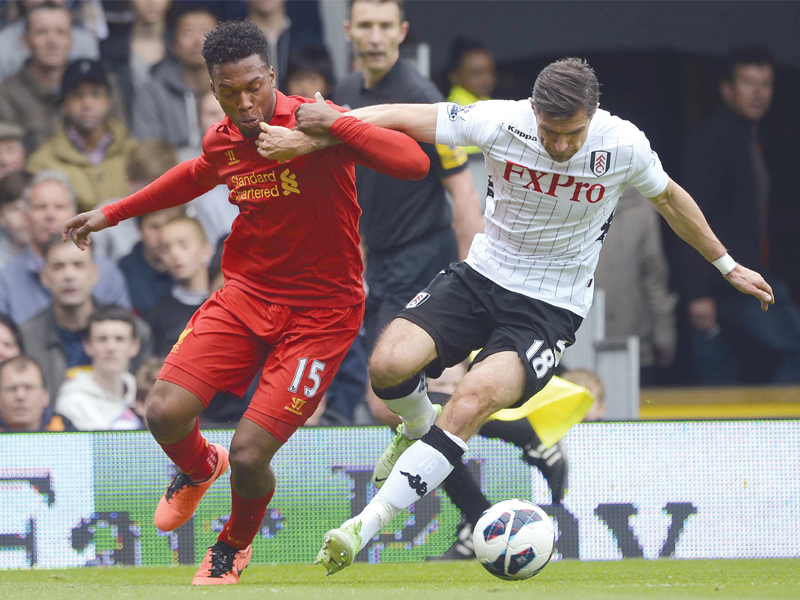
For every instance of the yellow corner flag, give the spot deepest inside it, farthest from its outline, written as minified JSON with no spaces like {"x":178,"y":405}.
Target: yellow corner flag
{"x":552,"y":411}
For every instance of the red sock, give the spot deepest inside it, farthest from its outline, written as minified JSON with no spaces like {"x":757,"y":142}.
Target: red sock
{"x":246,"y":517}
{"x":193,"y":455}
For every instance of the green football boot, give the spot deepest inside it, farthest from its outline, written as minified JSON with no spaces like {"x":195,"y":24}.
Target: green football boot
{"x":340,"y":547}
{"x":400,"y":443}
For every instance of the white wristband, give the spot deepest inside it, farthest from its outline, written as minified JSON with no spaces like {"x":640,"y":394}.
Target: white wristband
{"x":725,"y":264}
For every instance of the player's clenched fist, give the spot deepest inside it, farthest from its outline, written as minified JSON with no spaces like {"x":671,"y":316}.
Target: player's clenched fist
{"x":316,"y":118}
{"x":78,"y":228}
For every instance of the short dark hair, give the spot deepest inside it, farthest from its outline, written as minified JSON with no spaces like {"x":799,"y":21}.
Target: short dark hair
{"x":311,"y":59}
{"x":232,"y":41}
{"x":21,"y":362}
{"x":746,"y":55}
{"x":49,"y":5}
{"x":12,"y":328}
{"x":12,"y":187}
{"x":565,"y":88}
{"x":54,"y":241}
{"x":111,"y":312}
{"x":460,"y":47}
{"x":399,"y":4}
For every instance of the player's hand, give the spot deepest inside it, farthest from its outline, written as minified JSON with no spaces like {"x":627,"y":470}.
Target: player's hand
{"x":752,"y":283}
{"x":280,"y":143}
{"x":317,"y":118}
{"x":703,"y":314}
{"x":78,"y":228}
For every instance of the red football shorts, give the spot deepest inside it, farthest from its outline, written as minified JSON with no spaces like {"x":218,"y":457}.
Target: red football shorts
{"x":234,"y":334}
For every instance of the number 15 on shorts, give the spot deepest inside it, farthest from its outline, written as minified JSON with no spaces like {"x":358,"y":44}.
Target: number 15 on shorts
{"x":314,"y":371}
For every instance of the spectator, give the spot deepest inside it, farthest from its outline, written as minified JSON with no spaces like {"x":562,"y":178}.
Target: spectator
{"x":104,"y":396}
{"x":310,"y":70}
{"x":471,"y":76}
{"x":12,"y":150}
{"x":54,"y":337}
{"x":144,"y":268}
{"x":89,"y":145}
{"x":213,"y":209}
{"x":15,"y":48}
{"x":470,"y":72}
{"x":50,"y":202}
{"x":725,"y":170}
{"x":592,"y":382}
{"x":10,"y":340}
{"x":633,"y":272}
{"x":132,"y":49}
{"x":186,"y":252}
{"x":30,"y":97}
{"x":24,"y":399}
{"x":408,"y":227}
{"x":147,"y":161}
{"x":166,"y":106}
{"x":284,"y":38}
{"x":14,"y":236}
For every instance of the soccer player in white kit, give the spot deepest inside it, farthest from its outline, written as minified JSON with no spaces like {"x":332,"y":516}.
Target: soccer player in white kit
{"x":557,"y":166}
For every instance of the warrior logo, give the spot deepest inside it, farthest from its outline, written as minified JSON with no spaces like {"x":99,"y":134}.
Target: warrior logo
{"x":600,"y":162}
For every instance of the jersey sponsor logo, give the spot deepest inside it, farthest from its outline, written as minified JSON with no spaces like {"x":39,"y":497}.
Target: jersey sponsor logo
{"x":296,"y":406}
{"x":456,"y":111}
{"x":232,"y":160}
{"x":177,"y":344}
{"x":419,"y":299}
{"x":600,"y":161}
{"x":289,"y":183}
{"x":521,"y":134}
{"x":548,"y":183}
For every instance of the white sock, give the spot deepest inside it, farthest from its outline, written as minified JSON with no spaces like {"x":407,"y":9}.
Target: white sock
{"x":375,"y":516}
{"x":416,"y":410}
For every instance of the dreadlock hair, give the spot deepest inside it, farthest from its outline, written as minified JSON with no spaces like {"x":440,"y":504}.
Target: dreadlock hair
{"x":233,"y":41}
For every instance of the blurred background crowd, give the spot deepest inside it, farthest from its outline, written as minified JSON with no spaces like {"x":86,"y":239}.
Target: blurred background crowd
{"x":100,"y":98}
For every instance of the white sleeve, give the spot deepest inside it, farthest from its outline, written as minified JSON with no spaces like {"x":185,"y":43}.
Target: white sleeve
{"x":469,"y":125}
{"x":647,"y":175}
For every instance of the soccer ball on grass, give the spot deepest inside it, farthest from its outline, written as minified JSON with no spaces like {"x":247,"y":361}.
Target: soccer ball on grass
{"x":514,"y":539}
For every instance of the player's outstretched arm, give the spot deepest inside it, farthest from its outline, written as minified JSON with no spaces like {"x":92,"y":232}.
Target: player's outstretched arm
{"x":384,"y":150}
{"x":179,"y":185}
{"x":685,"y":218}
{"x":415,"y":120}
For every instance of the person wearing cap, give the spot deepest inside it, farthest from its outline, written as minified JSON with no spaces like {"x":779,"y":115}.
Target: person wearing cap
{"x":12,"y":151}
{"x":89,"y":145}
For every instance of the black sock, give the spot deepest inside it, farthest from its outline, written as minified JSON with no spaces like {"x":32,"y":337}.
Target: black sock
{"x":466,"y":494}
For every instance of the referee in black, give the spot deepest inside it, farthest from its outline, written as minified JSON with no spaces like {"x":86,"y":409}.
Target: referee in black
{"x":409,"y":229}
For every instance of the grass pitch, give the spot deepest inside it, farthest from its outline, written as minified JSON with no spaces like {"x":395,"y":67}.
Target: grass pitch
{"x":773,"y":579}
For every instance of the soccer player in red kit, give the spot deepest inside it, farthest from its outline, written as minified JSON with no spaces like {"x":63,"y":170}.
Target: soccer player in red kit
{"x":293,"y":298}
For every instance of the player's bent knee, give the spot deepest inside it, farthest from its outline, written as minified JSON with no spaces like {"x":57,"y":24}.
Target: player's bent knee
{"x":248,"y":461}
{"x":388,"y":367}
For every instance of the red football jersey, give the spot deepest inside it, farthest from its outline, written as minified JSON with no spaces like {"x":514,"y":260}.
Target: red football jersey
{"x":295,"y":241}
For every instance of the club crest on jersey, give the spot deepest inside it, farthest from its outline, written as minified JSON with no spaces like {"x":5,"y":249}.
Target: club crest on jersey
{"x":418,"y":299}
{"x":456,"y":111}
{"x":600,"y":162}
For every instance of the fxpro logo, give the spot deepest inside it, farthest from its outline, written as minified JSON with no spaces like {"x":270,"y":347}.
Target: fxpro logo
{"x":521,"y":134}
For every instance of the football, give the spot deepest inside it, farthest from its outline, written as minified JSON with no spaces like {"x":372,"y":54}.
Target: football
{"x":514,"y":539}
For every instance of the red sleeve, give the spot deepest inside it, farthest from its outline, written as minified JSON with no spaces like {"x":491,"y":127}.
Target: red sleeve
{"x":177,"y":186}
{"x":384,"y":150}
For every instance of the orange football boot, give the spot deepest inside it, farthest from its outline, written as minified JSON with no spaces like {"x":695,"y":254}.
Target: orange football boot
{"x":179,"y":502}
{"x":222,"y":565}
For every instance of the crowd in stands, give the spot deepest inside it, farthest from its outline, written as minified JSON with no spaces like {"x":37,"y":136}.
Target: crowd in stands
{"x":96,"y":105}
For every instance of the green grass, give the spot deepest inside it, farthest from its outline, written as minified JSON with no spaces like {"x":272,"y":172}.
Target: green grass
{"x":771,"y":579}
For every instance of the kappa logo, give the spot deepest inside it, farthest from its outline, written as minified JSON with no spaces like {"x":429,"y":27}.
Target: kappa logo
{"x":290,"y":185}
{"x":415,"y":483}
{"x":180,"y":340}
{"x":601,"y":160}
{"x":418,"y":299}
{"x":521,"y":134}
{"x":296,"y":406}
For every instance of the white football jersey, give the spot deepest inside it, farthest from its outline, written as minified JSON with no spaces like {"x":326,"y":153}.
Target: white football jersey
{"x":545,"y":221}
